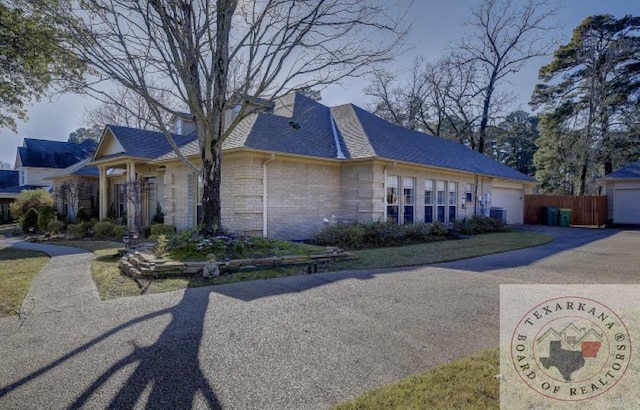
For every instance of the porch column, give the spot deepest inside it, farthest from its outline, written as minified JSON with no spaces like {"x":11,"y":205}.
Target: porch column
{"x":104,"y":195}
{"x":131,"y":187}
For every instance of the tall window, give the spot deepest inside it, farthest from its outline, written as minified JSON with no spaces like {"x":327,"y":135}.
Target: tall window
{"x":453,"y":200}
{"x":409,"y":200}
{"x":392,"y":198}
{"x":120,"y":199}
{"x":428,"y":201}
{"x":441,"y":200}
{"x":199,"y":201}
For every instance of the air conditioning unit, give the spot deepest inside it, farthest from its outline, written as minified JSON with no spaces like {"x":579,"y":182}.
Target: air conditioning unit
{"x":498,"y":213}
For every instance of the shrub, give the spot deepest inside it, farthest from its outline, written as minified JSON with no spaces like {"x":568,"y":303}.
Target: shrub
{"x":378,"y":234}
{"x":162,"y":229}
{"x":46,"y":215}
{"x":103,"y":230}
{"x":32,"y":198}
{"x":119,"y":231}
{"x":480,"y":224}
{"x":29,"y":222}
{"x":82,"y":215}
{"x":146,"y":231}
{"x":55,"y":227}
{"x":162,"y":246}
{"x":78,"y":230}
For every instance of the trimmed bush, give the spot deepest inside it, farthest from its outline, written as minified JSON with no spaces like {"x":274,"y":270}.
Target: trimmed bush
{"x":29,"y":222}
{"x":55,"y":227}
{"x":103,"y":230}
{"x":82,"y":215}
{"x":78,"y":230}
{"x":46,"y":215}
{"x":479,"y":225}
{"x":378,"y":235}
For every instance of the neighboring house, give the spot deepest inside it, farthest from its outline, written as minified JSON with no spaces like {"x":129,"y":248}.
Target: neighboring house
{"x":8,"y":179}
{"x":291,"y":168}
{"x":623,"y":194}
{"x":37,"y":161}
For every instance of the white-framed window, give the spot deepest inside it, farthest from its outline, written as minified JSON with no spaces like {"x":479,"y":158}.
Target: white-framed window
{"x":441,"y":200}
{"x":468,"y":193}
{"x":393,"y":202}
{"x":428,"y":200}
{"x":409,"y":200}
{"x":453,"y":201}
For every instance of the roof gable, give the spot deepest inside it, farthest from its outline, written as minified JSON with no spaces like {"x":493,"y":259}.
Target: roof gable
{"x":134,"y":142}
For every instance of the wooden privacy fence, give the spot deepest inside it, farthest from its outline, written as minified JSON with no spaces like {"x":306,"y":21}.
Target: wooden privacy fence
{"x":585,"y":210}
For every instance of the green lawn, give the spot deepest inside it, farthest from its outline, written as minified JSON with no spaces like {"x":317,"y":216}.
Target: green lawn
{"x":112,"y":284}
{"x":17,"y":269}
{"x":443,"y":251}
{"x":468,"y":383}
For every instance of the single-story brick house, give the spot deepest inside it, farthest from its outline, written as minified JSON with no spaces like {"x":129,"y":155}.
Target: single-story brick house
{"x":623,"y":194}
{"x":290,"y":169}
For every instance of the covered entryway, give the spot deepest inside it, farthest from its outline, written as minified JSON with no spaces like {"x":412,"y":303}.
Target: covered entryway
{"x":626,"y":208}
{"x":512,"y":200}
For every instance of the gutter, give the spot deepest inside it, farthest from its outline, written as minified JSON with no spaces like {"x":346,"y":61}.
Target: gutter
{"x":265,"y":208}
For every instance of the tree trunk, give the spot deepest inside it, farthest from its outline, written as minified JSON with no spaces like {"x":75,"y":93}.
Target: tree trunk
{"x":211,"y":210}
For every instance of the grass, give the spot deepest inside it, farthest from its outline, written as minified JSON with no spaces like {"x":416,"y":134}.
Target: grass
{"x":468,"y":383}
{"x":443,"y":251}
{"x":18,"y":267}
{"x":112,"y":284}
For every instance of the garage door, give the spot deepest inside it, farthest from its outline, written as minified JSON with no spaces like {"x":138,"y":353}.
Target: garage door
{"x":626,"y":206}
{"x":510,"y":199}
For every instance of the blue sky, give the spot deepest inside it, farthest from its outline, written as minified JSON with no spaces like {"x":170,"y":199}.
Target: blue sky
{"x":436,"y":24}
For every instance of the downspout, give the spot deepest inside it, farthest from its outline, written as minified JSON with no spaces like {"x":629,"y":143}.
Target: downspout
{"x":264,"y":194}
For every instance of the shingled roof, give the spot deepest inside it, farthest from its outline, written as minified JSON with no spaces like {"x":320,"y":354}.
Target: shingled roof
{"x":9,"y":178}
{"x":299,"y":125}
{"x":146,"y":144}
{"x":53,"y":154}
{"x":397,"y":143}
{"x":629,"y":172}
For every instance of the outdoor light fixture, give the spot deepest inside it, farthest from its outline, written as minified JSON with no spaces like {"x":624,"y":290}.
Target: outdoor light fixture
{"x":125,"y":239}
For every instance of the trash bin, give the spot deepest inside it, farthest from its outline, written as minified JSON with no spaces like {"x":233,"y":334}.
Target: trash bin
{"x":551,"y":215}
{"x":565,"y":217}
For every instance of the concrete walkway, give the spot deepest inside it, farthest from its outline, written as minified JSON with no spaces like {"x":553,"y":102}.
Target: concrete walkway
{"x":64,"y":282}
{"x":302,"y":342}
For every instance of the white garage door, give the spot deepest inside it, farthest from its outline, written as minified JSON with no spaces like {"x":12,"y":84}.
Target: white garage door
{"x":510,"y":199}
{"x":626,"y":206}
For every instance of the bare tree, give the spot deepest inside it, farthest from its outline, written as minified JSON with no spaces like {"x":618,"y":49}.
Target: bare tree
{"x":71,"y":191}
{"x":5,"y":165}
{"x":504,"y":37}
{"x":203,"y":52}
{"x":128,"y":108}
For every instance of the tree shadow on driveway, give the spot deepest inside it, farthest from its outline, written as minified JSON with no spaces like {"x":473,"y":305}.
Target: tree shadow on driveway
{"x":168,"y":370}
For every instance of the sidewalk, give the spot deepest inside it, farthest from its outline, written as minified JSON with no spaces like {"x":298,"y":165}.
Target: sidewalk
{"x":64,"y":282}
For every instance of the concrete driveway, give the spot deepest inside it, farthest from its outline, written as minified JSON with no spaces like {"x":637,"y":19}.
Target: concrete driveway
{"x":289,"y":343}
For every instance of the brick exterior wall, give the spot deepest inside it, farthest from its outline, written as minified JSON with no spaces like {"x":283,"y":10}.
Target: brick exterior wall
{"x":304,"y":193}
